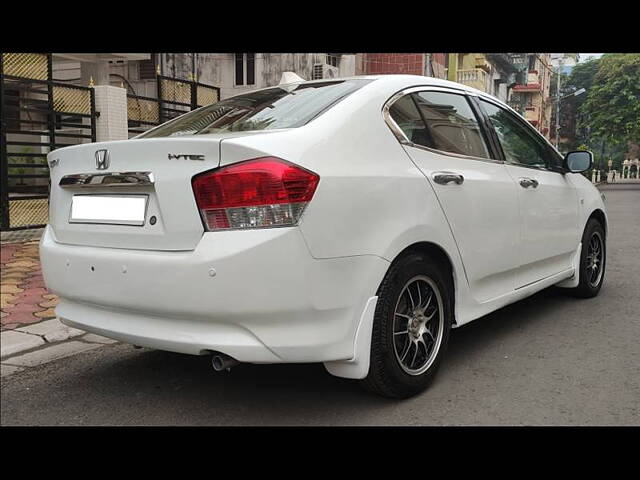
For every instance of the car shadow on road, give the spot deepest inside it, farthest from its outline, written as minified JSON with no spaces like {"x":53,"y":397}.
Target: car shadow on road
{"x":188,"y":391}
{"x":482,"y":333}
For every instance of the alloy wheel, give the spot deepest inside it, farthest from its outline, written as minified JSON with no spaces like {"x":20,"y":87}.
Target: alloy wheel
{"x":594,"y":261}
{"x":418,"y":325}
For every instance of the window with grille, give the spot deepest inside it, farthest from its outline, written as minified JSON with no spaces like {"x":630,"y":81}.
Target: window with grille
{"x":245,"y":68}
{"x":147,"y":68}
{"x":332,"y":60}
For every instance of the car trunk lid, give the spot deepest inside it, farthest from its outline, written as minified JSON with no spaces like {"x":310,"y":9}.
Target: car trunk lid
{"x":159,"y":171}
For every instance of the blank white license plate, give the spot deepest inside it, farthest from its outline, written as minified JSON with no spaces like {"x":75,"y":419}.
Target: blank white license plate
{"x":109,"y":209}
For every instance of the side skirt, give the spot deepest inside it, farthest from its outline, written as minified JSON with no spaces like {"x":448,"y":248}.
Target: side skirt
{"x":480,"y":310}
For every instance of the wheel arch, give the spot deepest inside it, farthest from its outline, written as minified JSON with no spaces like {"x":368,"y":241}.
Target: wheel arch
{"x":599,"y":215}
{"x":442,"y":258}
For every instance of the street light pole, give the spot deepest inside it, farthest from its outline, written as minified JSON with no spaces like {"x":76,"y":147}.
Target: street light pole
{"x":580,"y":91}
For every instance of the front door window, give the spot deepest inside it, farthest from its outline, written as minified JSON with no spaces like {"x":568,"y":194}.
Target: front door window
{"x":519,"y":146}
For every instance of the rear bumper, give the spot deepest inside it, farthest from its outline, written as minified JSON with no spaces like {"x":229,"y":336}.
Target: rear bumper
{"x":258,"y":296}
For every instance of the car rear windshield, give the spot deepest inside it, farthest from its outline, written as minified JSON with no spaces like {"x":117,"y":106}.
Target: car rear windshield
{"x":287,"y":106}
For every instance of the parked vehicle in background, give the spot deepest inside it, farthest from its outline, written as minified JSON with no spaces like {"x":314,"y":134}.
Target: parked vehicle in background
{"x":352,"y":222}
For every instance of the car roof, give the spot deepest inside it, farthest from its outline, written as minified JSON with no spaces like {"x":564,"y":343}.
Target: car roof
{"x":403,"y":81}
{"x":394,"y":78}
{"x":390,"y":81}
{"x":408,"y":81}
{"x":413,"y":79}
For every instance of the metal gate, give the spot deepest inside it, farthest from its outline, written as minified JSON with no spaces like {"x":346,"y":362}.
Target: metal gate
{"x":181,"y":96}
{"x":143,"y":113}
{"x":175,"y":97}
{"x":37,"y":115}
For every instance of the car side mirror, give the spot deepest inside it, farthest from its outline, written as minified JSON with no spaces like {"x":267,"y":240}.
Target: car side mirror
{"x":578,"y":161}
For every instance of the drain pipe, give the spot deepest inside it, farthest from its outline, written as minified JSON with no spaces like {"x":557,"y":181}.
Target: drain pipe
{"x":220,"y":362}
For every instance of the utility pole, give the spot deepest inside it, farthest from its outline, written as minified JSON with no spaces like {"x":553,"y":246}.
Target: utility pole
{"x":558,"y":103}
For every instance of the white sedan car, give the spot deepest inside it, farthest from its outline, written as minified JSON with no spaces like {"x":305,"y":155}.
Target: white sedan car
{"x":352,"y":222}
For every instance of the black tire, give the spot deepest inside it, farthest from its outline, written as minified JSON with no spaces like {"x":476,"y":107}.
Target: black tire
{"x":387,"y":377}
{"x":589,"y":286}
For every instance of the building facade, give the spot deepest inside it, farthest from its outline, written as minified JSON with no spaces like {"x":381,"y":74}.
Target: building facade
{"x":491,"y":73}
{"x":531,"y":96}
{"x":520,"y":79}
{"x":233,"y":73}
{"x":429,"y":64}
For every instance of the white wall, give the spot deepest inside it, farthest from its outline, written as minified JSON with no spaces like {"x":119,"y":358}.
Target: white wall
{"x":218,"y":69}
{"x":111,"y":102}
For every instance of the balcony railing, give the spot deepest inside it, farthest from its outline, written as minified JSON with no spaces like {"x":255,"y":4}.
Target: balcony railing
{"x":473,"y":77}
{"x":532,"y":85}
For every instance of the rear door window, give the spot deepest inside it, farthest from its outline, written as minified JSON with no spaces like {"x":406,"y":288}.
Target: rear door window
{"x":405,"y":113}
{"x":451,"y":123}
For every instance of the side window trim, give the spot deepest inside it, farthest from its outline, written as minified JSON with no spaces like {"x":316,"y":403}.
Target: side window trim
{"x":495,"y":148}
{"x":402,"y":138}
{"x":532,"y":132}
{"x":424,"y":120}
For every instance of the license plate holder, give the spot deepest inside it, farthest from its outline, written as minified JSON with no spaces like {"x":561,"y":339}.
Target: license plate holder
{"x":109,"y":209}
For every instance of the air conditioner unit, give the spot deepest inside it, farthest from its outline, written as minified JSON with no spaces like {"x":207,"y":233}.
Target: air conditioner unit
{"x":323,"y":70}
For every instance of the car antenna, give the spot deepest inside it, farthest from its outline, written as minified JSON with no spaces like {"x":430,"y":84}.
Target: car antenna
{"x":289,"y":81}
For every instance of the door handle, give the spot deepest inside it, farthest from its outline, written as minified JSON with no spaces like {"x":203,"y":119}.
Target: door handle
{"x":526,"y":182}
{"x":444,"y":178}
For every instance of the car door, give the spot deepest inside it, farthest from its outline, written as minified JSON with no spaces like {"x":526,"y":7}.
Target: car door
{"x":548,"y":201}
{"x":442,"y":135}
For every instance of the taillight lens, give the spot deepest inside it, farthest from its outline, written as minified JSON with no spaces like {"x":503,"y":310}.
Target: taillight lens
{"x":264,"y":192}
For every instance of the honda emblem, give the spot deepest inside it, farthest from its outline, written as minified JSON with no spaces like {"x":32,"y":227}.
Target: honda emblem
{"x":102,"y":159}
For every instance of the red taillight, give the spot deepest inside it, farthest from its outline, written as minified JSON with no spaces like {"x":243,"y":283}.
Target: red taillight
{"x":264,"y":192}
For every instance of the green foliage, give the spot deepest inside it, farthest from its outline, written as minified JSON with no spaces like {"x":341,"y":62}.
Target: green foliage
{"x":612,"y":106}
{"x":574,"y":125}
{"x":28,"y":160}
{"x":582,"y":76}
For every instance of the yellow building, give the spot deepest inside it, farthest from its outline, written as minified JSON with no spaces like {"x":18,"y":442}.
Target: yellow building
{"x":531,"y":98}
{"x":522,"y":80}
{"x":491,"y":73}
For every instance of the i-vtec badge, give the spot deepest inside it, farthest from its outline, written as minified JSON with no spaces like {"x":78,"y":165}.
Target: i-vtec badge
{"x":185,"y":156}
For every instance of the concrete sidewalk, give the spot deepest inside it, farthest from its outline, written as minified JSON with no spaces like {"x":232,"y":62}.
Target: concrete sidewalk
{"x":42,"y":343}
{"x":31,"y":334}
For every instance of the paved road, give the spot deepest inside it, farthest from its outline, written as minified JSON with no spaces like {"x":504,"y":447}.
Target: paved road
{"x":546,"y":360}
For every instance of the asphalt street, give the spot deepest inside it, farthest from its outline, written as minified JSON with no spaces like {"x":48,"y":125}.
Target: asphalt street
{"x":547,"y":360}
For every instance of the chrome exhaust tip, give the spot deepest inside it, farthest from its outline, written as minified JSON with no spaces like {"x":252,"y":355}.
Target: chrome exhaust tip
{"x":220,"y":362}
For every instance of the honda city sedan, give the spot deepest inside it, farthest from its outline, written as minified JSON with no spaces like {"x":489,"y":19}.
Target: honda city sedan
{"x":351,"y":222}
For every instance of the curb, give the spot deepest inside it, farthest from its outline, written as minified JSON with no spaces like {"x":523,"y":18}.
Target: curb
{"x":44,"y":342}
